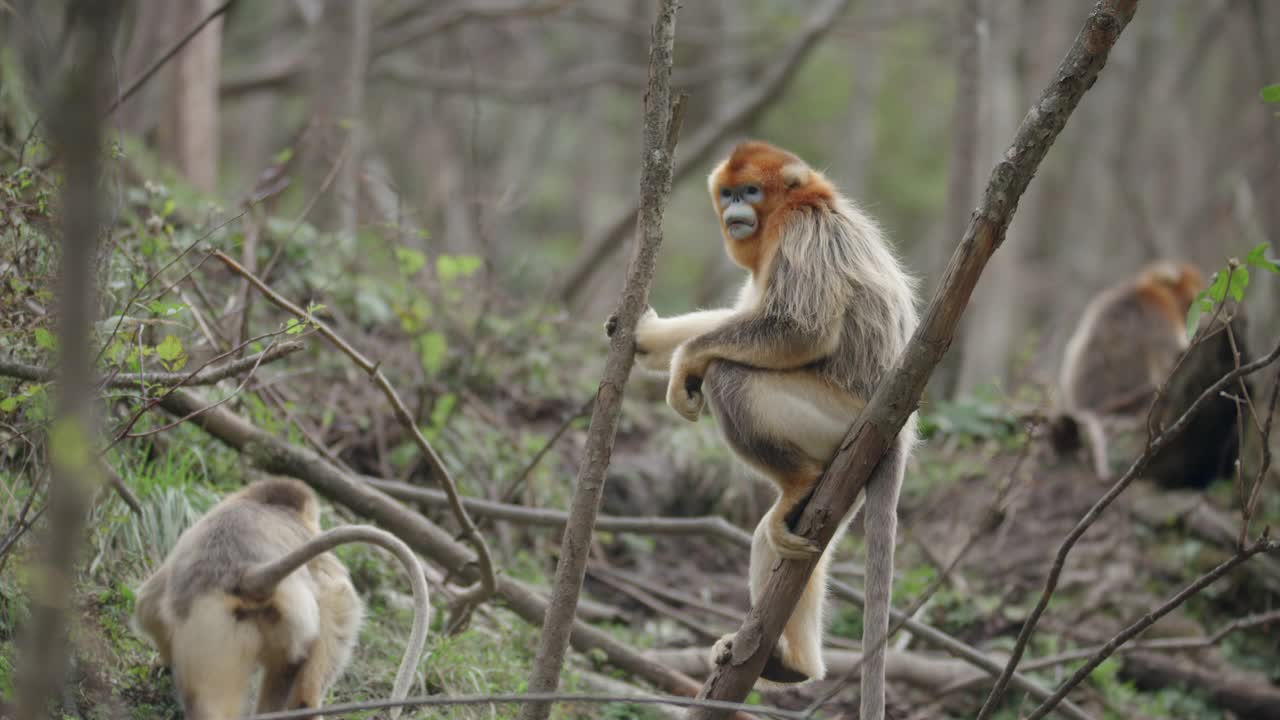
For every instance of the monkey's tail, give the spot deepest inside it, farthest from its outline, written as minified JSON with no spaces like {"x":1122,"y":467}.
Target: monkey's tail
{"x":265,"y":577}
{"x":881,"y":521}
{"x":1097,"y":442}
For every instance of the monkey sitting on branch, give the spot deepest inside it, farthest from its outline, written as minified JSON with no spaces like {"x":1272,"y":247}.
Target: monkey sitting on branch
{"x":252,"y":584}
{"x":822,"y":317}
{"x":1129,"y":339}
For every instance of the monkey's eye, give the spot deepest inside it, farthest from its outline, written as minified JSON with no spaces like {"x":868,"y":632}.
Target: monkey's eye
{"x":752,"y":193}
{"x":725,"y":193}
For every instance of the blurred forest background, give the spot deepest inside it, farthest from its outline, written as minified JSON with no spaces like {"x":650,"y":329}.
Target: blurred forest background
{"x":453,"y":187}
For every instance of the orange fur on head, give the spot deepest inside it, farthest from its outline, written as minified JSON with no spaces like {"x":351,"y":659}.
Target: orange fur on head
{"x":1169,"y":287}
{"x":788,"y":183}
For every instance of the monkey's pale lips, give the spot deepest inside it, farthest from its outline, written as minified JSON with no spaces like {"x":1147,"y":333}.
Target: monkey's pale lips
{"x":739,"y":229}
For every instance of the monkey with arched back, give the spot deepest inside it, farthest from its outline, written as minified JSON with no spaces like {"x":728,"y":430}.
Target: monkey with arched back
{"x":252,"y":584}
{"x":823,"y":315}
{"x":1126,"y":343}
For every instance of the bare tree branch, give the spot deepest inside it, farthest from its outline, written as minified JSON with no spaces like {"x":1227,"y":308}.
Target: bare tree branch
{"x":711,"y":525}
{"x":204,"y":376}
{"x":662,"y":117}
{"x":899,"y":394}
{"x":510,"y":699}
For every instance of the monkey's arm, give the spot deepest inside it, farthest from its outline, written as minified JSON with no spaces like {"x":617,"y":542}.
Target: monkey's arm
{"x":657,"y":338}
{"x":763,"y":341}
{"x":769,"y":342}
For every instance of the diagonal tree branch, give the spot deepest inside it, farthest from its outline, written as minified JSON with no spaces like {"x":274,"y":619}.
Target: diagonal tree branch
{"x":699,"y":148}
{"x":662,"y":118}
{"x":168,"y":55}
{"x":485,"y":588}
{"x":899,"y":395}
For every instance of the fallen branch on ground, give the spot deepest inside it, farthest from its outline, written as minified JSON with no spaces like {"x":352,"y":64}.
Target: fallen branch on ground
{"x":711,"y":525}
{"x":204,"y":376}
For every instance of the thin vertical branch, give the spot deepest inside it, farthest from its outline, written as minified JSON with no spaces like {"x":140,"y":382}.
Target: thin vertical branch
{"x":76,"y":113}
{"x":899,"y":394}
{"x":661,"y":127}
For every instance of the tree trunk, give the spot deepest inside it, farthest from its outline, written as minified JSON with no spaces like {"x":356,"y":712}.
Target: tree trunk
{"x":193,"y":119}
{"x":348,"y":191}
{"x":962,"y":174}
{"x":993,"y":320}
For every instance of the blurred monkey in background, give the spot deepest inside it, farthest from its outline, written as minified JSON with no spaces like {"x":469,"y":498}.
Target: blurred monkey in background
{"x":1127,"y":342}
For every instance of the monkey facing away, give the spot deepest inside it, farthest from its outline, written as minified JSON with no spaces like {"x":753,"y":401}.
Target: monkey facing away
{"x":825,"y":312}
{"x":252,"y":583}
{"x":1124,"y":347}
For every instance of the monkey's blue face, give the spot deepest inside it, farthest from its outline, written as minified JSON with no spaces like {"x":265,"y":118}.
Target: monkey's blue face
{"x":737,"y":209}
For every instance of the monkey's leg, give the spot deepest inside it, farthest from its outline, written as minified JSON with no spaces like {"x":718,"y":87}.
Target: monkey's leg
{"x":786,"y":424}
{"x":278,"y":678}
{"x":881,"y":520}
{"x":340,"y":616}
{"x":151,"y":614}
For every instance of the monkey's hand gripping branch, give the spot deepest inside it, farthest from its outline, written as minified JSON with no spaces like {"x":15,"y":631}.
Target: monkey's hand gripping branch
{"x":259,"y":582}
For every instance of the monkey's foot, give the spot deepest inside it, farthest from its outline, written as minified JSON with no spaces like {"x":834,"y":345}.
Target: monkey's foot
{"x":775,"y":670}
{"x":787,"y":544}
{"x":722,"y":651}
{"x":684,"y":395}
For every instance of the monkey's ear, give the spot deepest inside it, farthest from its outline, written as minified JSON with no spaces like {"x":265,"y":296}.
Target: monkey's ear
{"x":795,"y":174}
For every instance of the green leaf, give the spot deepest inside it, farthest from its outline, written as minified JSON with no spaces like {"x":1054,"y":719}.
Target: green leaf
{"x":411,"y":261}
{"x":450,"y":267}
{"x":1271,"y":93}
{"x":440,"y":413}
{"x":1218,"y":288}
{"x":169,"y":349}
{"x":162,"y":308}
{"x":169,"y":207}
{"x":283,"y":156}
{"x":1200,"y":305}
{"x":1239,"y":281}
{"x":46,"y":340}
{"x":294,"y":326}
{"x":1257,"y":257}
{"x":9,"y":404}
{"x":171,"y":354}
{"x":432,"y":348}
